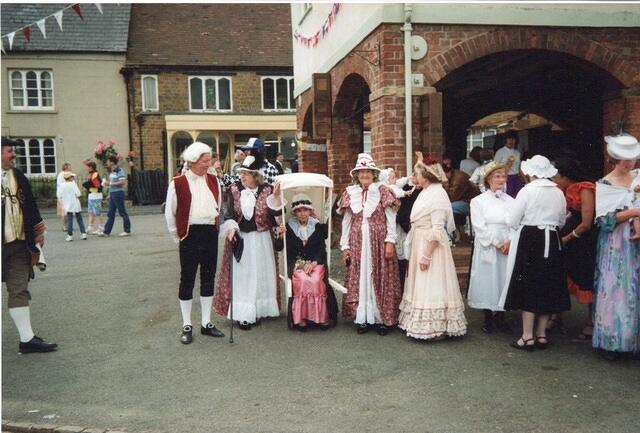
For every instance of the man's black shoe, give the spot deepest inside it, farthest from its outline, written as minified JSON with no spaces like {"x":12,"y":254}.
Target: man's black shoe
{"x":211,"y":330}
{"x":187,"y":335}
{"x":36,"y":344}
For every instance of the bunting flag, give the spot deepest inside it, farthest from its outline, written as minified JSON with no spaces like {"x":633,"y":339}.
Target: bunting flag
{"x":99,"y":7}
{"x":26,"y":31}
{"x":58,"y":17}
{"x":76,"y":7}
{"x":312,"y":41}
{"x":10,"y":36}
{"x":2,"y":47}
{"x":42,"y":27}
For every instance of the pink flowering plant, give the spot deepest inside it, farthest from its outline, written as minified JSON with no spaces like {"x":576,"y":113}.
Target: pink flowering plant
{"x":103,"y":151}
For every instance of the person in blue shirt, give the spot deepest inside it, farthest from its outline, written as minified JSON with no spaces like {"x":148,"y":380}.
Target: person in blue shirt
{"x":116,"y":182}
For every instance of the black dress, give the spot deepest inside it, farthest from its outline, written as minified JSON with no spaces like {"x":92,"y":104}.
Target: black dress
{"x":580,"y":253}
{"x":538,"y":284}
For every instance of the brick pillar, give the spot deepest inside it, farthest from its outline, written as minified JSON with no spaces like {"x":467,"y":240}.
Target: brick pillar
{"x":387,"y":132}
{"x":431,"y":116}
{"x":342,"y":150}
{"x":312,"y":162}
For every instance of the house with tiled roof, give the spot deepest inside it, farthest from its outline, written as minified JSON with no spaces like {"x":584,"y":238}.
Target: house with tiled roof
{"x":62,"y":93}
{"x":217,"y":73}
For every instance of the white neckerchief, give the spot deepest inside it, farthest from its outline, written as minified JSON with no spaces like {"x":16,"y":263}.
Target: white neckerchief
{"x":610,"y":198}
{"x":303,"y":232}
{"x":248,"y":199}
{"x":358,"y":202}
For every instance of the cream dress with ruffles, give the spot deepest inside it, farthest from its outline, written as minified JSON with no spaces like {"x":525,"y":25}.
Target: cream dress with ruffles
{"x":432,"y":305}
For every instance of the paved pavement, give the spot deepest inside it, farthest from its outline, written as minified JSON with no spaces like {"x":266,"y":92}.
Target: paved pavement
{"x":112,"y":306}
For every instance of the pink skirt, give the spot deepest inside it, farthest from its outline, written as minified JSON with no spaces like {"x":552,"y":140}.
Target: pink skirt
{"x":309,"y":296}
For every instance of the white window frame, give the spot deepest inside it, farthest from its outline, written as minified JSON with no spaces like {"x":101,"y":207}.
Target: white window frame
{"x":483,"y":133}
{"x":25,"y":98}
{"x":289,"y":79}
{"x":305,"y":8}
{"x":144,"y":108}
{"x":41,"y":141}
{"x":216,"y":78}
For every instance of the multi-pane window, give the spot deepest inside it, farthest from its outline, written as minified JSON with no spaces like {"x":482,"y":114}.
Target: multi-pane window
{"x":31,"y":89}
{"x":149,"y":93}
{"x":476,"y":138}
{"x":36,"y":156}
{"x":277,"y":93}
{"x":210,"y":94}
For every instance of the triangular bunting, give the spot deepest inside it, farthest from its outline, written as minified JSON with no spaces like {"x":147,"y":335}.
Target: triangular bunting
{"x":58,"y":17}
{"x":27,"y":33}
{"x":42,"y":27}
{"x":2,"y":47}
{"x":10,"y":36}
{"x":99,"y":7}
{"x":76,"y":7}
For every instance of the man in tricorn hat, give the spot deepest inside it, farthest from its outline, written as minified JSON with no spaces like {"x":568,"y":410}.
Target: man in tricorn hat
{"x":22,"y":230}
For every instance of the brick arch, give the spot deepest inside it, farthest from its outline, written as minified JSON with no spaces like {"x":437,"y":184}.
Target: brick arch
{"x":497,"y":41}
{"x":307,"y":120}
{"x":345,"y":100}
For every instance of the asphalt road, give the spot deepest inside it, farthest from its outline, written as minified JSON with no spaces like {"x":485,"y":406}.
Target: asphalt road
{"x":112,"y":306}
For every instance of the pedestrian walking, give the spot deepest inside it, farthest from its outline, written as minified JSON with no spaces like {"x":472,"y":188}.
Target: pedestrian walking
{"x":59,"y":182}
{"x":70,"y":196}
{"x":115,"y":183}
{"x":616,"y":327}
{"x":192,"y":211}
{"x":93,"y":185}
{"x":22,"y":237}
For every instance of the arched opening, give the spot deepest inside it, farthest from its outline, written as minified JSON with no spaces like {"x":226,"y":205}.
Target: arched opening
{"x":349,"y":129}
{"x":179,"y":142}
{"x":563,"y":89}
{"x":307,"y":123}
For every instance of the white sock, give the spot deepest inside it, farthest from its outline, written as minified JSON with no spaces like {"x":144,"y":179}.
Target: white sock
{"x":185,"y":307}
{"x":22,"y":318}
{"x":205,"y":304}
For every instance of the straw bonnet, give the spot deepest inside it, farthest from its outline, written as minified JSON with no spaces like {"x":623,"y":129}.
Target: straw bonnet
{"x":68,"y":175}
{"x":432,"y":166}
{"x":489,"y":169}
{"x":623,"y":147}
{"x":301,"y":201}
{"x":538,"y":166}
{"x":365,"y":162}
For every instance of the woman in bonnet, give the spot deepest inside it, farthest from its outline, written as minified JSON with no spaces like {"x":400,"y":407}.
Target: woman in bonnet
{"x":616,"y":327}
{"x":369,"y":251}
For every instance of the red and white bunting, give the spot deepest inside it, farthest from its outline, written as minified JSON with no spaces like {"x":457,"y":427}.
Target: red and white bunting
{"x":42,"y":27}
{"x":10,"y":37}
{"x":58,"y":17}
{"x":99,"y":7}
{"x":313,"y":40}
{"x":26,"y":31}
{"x":76,"y":7}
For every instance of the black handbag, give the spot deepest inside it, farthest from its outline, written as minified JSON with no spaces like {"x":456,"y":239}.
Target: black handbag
{"x":238,"y":246}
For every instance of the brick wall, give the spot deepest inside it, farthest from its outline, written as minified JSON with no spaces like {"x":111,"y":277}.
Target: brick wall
{"x":616,"y":51}
{"x":173,"y":97}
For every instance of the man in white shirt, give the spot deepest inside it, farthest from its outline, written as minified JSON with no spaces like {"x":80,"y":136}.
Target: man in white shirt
{"x":192,"y":210}
{"x":509,"y":156}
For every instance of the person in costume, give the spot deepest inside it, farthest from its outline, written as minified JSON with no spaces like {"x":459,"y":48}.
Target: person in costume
{"x":491,"y":246}
{"x":22,"y":239}
{"x":256,"y":148}
{"x":251,"y":210}
{"x":192,"y":212}
{"x":368,"y":249}
{"x":616,"y":327}
{"x":432,"y":307}
{"x":579,"y":237}
{"x":536,"y":281}
{"x":313,"y":300}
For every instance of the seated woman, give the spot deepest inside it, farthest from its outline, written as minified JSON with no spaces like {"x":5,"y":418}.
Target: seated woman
{"x":313,"y":300}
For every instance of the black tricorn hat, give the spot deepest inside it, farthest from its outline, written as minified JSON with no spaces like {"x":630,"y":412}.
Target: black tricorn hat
{"x":9,"y":142}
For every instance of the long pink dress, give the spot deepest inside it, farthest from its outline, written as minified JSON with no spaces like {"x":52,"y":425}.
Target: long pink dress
{"x":432,"y":305}
{"x":372,"y":281}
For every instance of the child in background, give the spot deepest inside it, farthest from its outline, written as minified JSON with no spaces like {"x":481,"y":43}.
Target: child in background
{"x":94,"y":204}
{"x":69,"y":193}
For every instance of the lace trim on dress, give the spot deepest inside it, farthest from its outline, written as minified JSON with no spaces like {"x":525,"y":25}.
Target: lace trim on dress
{"x":247,"y":203}
{"x":432,"y":323}
{"x":356,"y":199}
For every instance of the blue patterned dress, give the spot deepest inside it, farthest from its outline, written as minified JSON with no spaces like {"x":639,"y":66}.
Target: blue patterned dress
{"x":617,"y":286}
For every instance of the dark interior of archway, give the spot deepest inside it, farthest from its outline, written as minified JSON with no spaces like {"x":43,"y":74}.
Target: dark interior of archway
{"x":352,"y":102}
{"x":307,"y":123}
{"x":557,"y":86}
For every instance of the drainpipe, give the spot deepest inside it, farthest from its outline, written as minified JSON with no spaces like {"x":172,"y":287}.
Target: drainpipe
{"x":408,"y":115}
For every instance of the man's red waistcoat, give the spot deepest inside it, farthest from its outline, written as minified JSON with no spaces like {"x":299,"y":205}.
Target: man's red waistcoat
{"x":183,"y":194}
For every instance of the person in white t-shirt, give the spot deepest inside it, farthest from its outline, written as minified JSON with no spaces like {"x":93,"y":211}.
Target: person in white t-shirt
{"x":59,"y":182}
{"x":69,"y":194}
{"x":509,"y":156}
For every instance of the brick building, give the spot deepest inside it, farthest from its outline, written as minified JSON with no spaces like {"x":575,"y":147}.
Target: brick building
{"x":577,"y":66}
{"x":217,"y":73}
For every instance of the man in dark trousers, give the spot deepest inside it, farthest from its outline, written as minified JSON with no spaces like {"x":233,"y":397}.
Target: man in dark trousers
{"x":192,"y":213}
{"x":22,"y":230}
{"x":279,"y":163}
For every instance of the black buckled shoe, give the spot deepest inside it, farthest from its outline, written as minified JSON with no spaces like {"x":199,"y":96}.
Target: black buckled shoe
{"x":363,"y":328}
{"x":187,"y":335}
{"x":211,"y":330}
{"x":245,"y":326}
{"x":383,"y":330}
{"x":36,"y":345}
